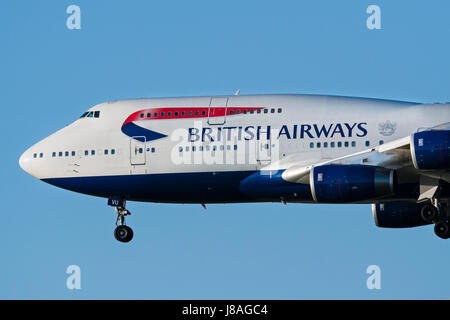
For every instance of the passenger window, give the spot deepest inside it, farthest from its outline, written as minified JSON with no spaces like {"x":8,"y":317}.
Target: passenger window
{"x":258,"y":111}
{"x":252,"y":111}
{"x":367,"y":143}
{"x":325,"y":144}
{"x":86,"y":153}
{"x":346,"y":144}
{"x":93,"y":152}
{"x":53,"y":154}
{"x":187,"y":148}
{"x":279,"y":110}
{"x":193,"y":148}
{"x":153,"y":150}
{"x":155,"y":114}
{"x":35,"y":155}
{"x":190,"y":113}
{"x":141,"y":150}
{"x":180,"y":149}
{"x":235,"y":147}
{"x":318,"y":144}
{"x":113,"y":151}
{"x":66,"y":153}
{"x":245,"y":111}
{"x":228,"y":147}
{"x":41,"y":155}
{"x":196,"y":112}
{"x":106,"y":151}
{"x":60,"y":154}
{"x":311,"y":145}
{"x":331,"y":144}
{"x":266,"y":110}
{"x":272,"y":110}
{"x":162,"y":114}
{"x":353,"y":144}
{"x":203,"y":113}
{"x":183,"y":113}
{"x":221,"y":148}
{"x":149,"y":115}
{"x":238,"y":111}
{"x":381,"y":142}
{"x":169,"y":114}
{"x":176,"y":113}
{"x":73,"y":153}
{"x":231,"y":111}
{"x":339,"y":144}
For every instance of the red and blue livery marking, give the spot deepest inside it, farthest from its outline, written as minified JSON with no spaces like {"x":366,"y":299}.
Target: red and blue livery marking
{"x":131,"y":129}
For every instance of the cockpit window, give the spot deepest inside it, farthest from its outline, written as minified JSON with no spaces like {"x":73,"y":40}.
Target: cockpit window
{"x":91,"y":114}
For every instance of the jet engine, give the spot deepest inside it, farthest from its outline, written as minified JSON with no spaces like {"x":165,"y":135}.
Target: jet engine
{"x":398,"y":215}
{"x":351,"y":183}
{"x":430,"y":150}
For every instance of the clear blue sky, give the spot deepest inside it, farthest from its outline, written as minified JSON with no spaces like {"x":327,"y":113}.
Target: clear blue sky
{"x":127,"y":49}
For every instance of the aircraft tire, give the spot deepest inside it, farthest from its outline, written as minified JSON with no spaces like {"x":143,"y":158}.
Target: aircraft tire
{"x":441,"y":229}
{"x":123,"y":233}
{"x":429,"y":213}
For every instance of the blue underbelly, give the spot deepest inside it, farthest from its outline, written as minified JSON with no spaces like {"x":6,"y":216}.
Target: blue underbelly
{"x":206,"y":187}
{"x":197,"y":187}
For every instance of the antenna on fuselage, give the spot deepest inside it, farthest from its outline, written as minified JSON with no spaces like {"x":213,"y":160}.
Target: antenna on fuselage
{"x":237,"y":92}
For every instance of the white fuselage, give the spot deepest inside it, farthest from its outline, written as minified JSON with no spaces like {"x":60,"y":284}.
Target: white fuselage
{"x":135,"y":150}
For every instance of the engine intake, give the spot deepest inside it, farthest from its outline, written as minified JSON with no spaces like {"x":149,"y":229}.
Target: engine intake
{"x":430,"y":150}
{"x":351,"y":183}
{"x":398,"y":215}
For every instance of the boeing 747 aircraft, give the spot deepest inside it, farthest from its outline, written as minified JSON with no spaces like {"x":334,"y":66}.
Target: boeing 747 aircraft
{"x":257,"y":148}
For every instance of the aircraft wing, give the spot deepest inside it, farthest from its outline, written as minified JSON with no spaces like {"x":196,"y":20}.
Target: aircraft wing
{"x":392,"y":155}
{"x":398,"y":155}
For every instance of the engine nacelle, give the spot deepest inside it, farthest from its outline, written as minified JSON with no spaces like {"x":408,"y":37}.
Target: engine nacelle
{"x":351,"y":183}
{"x":398,"y":215}
{"x":431,"y":149}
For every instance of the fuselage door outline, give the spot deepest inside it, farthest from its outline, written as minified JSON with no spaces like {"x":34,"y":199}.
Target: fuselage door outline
{"x":217,"y":112}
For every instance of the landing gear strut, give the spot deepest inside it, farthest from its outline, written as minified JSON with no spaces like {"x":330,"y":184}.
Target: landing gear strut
{"x":122,"y":233}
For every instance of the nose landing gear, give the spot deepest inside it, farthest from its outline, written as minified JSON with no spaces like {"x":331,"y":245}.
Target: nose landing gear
{"x":122,"y":232}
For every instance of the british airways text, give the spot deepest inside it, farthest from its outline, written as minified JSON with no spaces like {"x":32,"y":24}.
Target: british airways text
{"x":301,"y":131}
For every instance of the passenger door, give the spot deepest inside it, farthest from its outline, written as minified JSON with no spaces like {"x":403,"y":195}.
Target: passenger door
{"x":263,"y":149}
{"x":217,"y":110}
{"x":137,"y":150}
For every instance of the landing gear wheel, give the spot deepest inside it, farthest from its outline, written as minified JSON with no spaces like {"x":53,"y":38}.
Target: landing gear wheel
{"x":429,"y":213}
{"x":442,"y":230}
{"x":123,"y":233}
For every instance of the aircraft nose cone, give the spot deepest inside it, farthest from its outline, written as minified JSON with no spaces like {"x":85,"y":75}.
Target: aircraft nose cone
{"x":25,"y":162}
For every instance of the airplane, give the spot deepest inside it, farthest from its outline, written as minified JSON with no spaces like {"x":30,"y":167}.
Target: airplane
{"x":257,"y":148}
